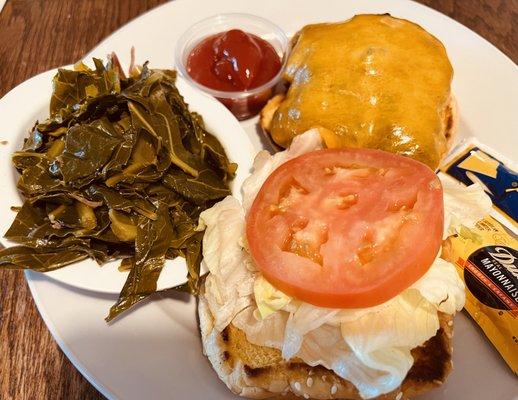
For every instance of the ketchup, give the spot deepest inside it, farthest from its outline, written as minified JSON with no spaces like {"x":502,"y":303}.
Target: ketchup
{"x":235,"y":61}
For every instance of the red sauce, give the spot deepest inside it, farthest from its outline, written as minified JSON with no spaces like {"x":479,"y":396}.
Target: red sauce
{"x":235,"y":61}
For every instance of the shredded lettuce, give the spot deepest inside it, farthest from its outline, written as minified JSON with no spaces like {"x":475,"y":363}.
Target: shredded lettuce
{"x":268,"y":298}
{"x":263,"y":332}
{"x":463,"y":206}
{"x":229,"y":286}
{"x":442,"y":287}
{"x":305,"y":319}
{"x":382,"y":340}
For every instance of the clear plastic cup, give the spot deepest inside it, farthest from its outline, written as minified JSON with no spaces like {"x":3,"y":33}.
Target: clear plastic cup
{"x":246,"y":103}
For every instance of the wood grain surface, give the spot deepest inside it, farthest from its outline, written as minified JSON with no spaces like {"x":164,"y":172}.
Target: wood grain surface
{"x":36,"y":35}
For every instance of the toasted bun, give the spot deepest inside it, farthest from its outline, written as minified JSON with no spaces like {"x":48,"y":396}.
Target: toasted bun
{"x":452,"y":122}
{"x":266,"y":117}
{"x":258,"y":372}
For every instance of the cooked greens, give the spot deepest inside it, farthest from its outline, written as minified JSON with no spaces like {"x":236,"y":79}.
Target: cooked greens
{"x":120,"y":170}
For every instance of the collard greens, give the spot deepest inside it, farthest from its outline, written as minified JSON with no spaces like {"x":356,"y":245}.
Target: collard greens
{"x":120,"y":170}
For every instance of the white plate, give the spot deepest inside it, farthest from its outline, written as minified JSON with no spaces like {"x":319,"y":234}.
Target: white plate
{"x":155,"y":352}
{"x":33,"y":95}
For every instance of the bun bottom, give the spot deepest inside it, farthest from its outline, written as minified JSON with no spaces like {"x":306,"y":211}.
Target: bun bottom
{"x":258,"y":372}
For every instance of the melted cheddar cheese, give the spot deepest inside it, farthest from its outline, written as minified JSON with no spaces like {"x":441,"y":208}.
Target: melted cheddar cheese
{"x":374,"y":81}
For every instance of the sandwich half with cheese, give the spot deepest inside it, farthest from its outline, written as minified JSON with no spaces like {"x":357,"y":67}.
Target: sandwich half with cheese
{"x":326,"y":279}
{"x":373,"y":81}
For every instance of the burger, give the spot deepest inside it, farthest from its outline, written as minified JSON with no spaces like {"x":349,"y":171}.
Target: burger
{"x":326,"y":280}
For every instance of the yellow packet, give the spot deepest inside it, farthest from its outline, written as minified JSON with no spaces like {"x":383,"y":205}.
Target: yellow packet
{"x":486,"y":257}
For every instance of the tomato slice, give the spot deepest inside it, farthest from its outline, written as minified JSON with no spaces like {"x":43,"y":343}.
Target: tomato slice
{"x":346,"y":228}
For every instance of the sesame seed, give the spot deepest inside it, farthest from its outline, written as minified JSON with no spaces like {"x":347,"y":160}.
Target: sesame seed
{"x":399,"y":396}
{"x":297,"y":386}
{"x":306,"y":396}
{"x":334,"y":389}
{"x":324,"y":378}
{"x":311,"y":372}
{"x":450,"y":323}
{"x":309,"y":382}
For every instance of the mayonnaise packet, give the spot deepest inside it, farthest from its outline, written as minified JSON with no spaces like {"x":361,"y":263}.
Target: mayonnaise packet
{"x":486,"y":256}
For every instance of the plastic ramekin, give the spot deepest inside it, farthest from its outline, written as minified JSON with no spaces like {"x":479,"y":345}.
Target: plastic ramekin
{"x":247,"y":103}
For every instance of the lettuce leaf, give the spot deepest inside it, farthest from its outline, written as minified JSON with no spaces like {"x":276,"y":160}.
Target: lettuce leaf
{"x":268,"y":298}
{"x":382,"y":340}
{"x":267,"y":331}
{"x":442,"y":287}
{"x":230,"y":284}
{"x":305,"y":319}
{"x":463,"y":205}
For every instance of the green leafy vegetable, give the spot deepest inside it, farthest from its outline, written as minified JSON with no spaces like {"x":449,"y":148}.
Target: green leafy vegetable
{"x":20,"y":257}
{"x":87,"y":150}
{"x":120,"y":169}
{"x":206,"y":186}
{"x":70,"y":87}
{"x":153,"y":239}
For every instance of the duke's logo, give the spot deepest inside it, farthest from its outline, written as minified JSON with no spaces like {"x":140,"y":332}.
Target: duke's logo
{"x":491,"y":274}
{"x":507,"y":259}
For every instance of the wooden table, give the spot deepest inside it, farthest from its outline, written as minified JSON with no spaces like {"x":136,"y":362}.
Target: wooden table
{"x":36,"y":35}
